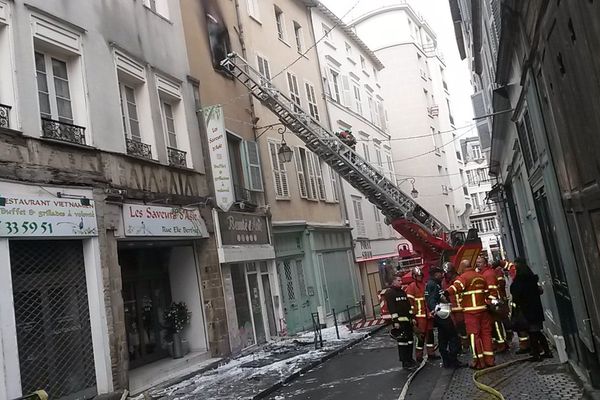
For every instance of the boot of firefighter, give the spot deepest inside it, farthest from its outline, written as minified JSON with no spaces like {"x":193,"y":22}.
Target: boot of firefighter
{"x":499,"y":336}
{"x":523,"y":343}
{"x":419,"y":347}
{"x":431,"y":347}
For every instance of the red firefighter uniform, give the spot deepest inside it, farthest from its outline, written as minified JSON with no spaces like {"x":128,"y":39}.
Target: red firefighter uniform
{"x":424,"y":327}
{"x":473,"y":288}
{"x":498,"y":333}
{"x":457,"y":311}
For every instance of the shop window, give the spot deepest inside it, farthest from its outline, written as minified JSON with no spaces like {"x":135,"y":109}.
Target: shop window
{"x":218,"y":36}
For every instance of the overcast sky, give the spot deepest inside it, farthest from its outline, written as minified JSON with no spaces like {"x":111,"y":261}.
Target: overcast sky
{"x":437,"y":14}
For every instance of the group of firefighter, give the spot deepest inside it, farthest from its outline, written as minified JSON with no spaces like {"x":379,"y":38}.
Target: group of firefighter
{"x":468,"y":304}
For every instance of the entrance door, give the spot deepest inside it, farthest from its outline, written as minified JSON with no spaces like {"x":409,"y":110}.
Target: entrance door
{"x":146,"y":295}
{"x":52,"y":318}
{"x":257,"y":312}
{"x":374,"y":280}
{"x":297,"y":302}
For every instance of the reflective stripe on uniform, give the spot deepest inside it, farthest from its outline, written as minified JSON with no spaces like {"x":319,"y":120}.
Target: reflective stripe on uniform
{"x":473,"y":349}
{"x":522,"y":339}
{"x":488,"y":353}
{"x":474,"y":291}
{"x":474,"y":308}
{"x":395,"y":315}
{"x":460,"y":283}
{"x":403,"y":319}
{"x":492,"y":287}
{"x":410,"y":296}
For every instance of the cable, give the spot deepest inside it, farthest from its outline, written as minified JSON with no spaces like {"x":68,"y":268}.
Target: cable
{"x":420,"y":136}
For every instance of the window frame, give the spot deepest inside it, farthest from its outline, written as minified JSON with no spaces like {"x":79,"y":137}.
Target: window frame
{"x":311,"y":99}
{"x":299,"y":37}
{"x":280,"y":24}
{"x":125,"y":112}
{"x":50,"y":80}
{"x":279,"y":170}
{"x":294,"y":90}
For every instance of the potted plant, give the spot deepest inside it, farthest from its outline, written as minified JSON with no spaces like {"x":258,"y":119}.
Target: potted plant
{"x":176,"y":318}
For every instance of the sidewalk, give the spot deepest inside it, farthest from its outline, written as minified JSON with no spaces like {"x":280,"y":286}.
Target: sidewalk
{"x":547,"y":379}
{"x":255,"y":375}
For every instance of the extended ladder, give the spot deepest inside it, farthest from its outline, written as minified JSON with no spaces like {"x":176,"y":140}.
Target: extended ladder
{"x":427,"y":234}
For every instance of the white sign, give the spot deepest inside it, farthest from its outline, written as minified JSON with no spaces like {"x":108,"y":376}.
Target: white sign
{"x":22,"y":216}
{"x":219,"y":156}
{"x":142,"y":220}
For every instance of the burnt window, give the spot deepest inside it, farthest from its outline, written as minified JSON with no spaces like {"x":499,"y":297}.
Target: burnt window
{"x":218,"y":36}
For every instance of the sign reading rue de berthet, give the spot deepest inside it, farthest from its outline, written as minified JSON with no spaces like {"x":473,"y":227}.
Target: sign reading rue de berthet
{"x":23,"y":216}
{"x":243,"y":229}
{"x":219,"y":156}
{"x":144,"y":220}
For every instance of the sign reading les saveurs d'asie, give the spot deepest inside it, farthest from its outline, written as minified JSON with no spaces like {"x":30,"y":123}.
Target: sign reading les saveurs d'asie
{"x":144,"y":220}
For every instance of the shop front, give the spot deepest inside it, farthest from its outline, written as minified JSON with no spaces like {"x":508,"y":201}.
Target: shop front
{"x":52,"y":315}
{"x":249,"y":278}
{"x":157,"y":254}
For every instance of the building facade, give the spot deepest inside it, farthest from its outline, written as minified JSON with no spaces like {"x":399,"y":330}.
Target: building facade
{"x":423,"y":137}
{"x":104,"y":200}
{"x":355,"y":103}
{"x":543,"y":152}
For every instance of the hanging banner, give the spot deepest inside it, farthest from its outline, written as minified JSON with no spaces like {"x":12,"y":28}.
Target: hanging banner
{"x":22,"y":216}
{"x":143,"y":220}
{"x":219,"y":156}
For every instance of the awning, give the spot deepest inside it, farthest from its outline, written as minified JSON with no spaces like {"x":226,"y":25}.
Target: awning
{"x":375,"y":258}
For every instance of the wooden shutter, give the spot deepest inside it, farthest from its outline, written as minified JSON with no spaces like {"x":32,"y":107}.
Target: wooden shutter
{"x":319,"y":175}
{"x":312,"y":179}
{"x":253,"y":169}
{"x":346,"y":92}
{"x":300,"y":173}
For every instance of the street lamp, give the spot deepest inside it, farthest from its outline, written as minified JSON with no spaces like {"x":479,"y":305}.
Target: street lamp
{"x":285,"y":152}
{"x":414,"y":192}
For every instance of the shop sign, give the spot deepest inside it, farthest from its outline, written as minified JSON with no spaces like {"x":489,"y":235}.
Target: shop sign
{"x":22,"y":216}
{"x":219,"y":156}
{"x":242,"y":229}
{"x":143,"y":220}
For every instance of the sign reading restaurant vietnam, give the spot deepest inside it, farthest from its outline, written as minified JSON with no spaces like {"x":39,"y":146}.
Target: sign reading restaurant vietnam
{"x":143,"y":220}
{"x":241,"y":229}
{"x":219,"y":156}
{"x":23,"y":216}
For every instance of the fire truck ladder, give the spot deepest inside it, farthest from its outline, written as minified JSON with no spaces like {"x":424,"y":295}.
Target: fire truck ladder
{"x":427,"y":234}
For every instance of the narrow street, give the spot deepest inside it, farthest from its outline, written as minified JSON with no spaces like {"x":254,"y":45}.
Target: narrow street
{"x":369,"y":370}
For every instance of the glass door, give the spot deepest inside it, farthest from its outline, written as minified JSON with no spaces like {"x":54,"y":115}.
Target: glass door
{"x":257,"y":314}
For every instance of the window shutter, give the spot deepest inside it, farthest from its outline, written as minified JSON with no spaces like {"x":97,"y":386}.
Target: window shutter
{"x":334,"y":184}
{"x":312,"y":181}
{"x":346,"y":92}
{"x":382,"y":119}
{"x":253,"y":169}
{"x":300,"y":173}
{"x":276,"y":174}
{"x":319,"y":174}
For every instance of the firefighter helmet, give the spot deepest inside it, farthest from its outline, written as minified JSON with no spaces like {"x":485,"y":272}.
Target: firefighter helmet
{"x":416,"y":271}
{"x":443,"y":310}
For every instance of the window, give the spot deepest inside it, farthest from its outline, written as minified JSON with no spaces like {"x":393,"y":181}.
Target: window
{"x":334,"y":185}
{"x":218,"y":36}
{"x":490,"y":224}
{"x":357,"y":99}
{"x":169,"y":122}
{"x":310,"y":174}
{"x":374,"y":73}
{"x":381,"y":115}
{"x":476,"y":151}
{"x":298,"y":36}
{"x":252,"y":168}
{"x":309,"y":162}
{"x":475,"y":201}
{"x":264,"y":69}
{"x":300,"y":172}
{"x":53,"y":88}
{"x":471,"y":178}
{"x":234,"y":150}
{"x":280,"y":23}
{"x":477,"y":224}
{"x":378,"y":157}
{"x":371,"y":103}
{"x":160,"y":7}
{"x":294,"y":91}
{"x":390,"y":165}
{"x":311,"y":98}
{"x":365,"y":148}
{"x":363,"y":63}
{"x":335,"y":85}
{"x":319,"y":175}
{"x":378,"y":222}
{"x":526,"y":139}
{"x":326,"y":31}
{"x":280,"y":177}
{"x":254,"y":9}
{"x":358,"y":216}
{"x":131,"y":124}
{"x":348,"y":49}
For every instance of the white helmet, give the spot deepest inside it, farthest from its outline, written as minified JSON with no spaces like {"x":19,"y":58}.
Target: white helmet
{"x":447,"y":267}
{"x":443,"y":310}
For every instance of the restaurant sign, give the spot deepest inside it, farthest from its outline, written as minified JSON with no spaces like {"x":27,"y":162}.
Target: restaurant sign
{"x":243,"y":229}
{"x":143,"y":220}
{"x":22,"y":216}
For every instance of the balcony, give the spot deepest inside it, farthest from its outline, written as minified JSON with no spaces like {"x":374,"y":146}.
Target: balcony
{"x":4,"y":112}
{"x":63,"y":131}
{"x":177,"y":157}
{"x":487,"y":208}
{"x":242,"y":194}
{"x":138,"y":149}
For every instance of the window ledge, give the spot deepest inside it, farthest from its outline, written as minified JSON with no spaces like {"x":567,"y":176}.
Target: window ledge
{"x":283,"y":198}
{"x":351,"y":60}
{"x":284,"y":42}
{"x":328,"y":43}
{"x":65,"y":143}
{"x":255,"y":19}
{"x":158,"y":15}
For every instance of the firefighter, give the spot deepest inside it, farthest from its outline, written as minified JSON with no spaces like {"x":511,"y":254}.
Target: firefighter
{"x":457,"y":316}
{"x":449,"y":343}
{"x":402,"y":320}
{"x":424,"y":322}
{"x":511,"y":269}
{"x":473,"y":288}
{"x":503,"y":296}
{"x":496,"y":305}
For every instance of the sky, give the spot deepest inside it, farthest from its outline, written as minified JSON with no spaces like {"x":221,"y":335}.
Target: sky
{"x":437,"y":14}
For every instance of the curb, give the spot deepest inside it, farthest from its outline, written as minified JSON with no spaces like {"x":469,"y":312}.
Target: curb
{"x":276,"y":386}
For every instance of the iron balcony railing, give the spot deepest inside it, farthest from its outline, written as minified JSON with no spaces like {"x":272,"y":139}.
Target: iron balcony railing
{"x":4,"y":113}
{"x":242,"y":194}
{"x":177,"y":157}
{"x":63,"y":131}
{"x":138,"y":149}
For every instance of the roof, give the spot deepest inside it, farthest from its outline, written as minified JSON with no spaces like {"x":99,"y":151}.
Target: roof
{"x":350,"y":32}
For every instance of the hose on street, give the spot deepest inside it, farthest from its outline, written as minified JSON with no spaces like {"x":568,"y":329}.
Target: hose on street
{"x":487,"y":388}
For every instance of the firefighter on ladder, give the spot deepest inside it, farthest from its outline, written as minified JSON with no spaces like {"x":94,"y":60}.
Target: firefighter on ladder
{"x":523,"y":336}
{"x":457,"y":316}
{"x":424,"y":322}
{"x":402,"y":320}
{"x":496,"y":305}
{"x":473,"y":288}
